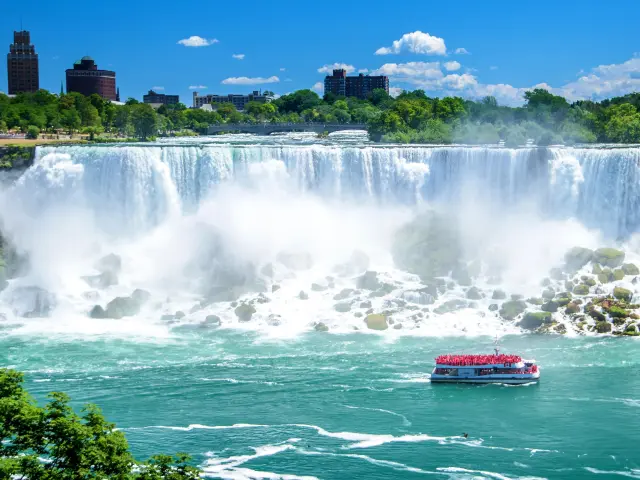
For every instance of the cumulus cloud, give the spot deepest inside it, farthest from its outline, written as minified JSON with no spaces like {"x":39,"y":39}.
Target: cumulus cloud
{"x":318,"y":87}
{"x":363,"y":70}
{"x":336,"y":66}
{"x":157,"y":89}
{"x":462,"y":51}
{"x":197,"y":87}
{"x":249,"y":80}
{"x":196,"y":41}
{"x":452,"y":66}
{"x":416,"y":42}
{"x":238,"y":56}
{"x":395,"y":91}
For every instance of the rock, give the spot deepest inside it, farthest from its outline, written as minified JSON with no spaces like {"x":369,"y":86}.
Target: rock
{"x":342,"y":307}
{"x":110,"y":263}
{"x":596,"y":315}
{"x":359,"y":261}
{"x":179,"y":314}
{"x":295,"y":260}
{"x":365,"y":304}
{"x":399,"y":302}
{"x":316,"y":287}
{"x":535,"y":301}
{"x":493,"y":307}
{"x":419,"y":297}
{"x":343,"y":294}
{"x":385,"y":289}
{"x":267,"y":270}
{"x":321,"y":327}
{"x":397,"y":326}
{"x":98,"y":312}
{"x":461,"y":275}
{"x":140,"y":296}
{"x":609,"y":257}
{"x":603,"y":277}
{"x":517,"y":296}
{"x":577,"y":257}
{"x":512,"y":309}
{"x":368,"y":281}
{"x":102,"y":280}
{"x":563,"y":298}
{"x":376,"y":321}
{"x":545,"y":282}
{"x":568,"y":285}
{"x":121,"y":307}
{"x":274,"y":320}
{"x":550,"y":306}
{"x":631,"y":330}
{"x":262,"y":298}
{"x":617,"y":312}
{"x":557,"y":274}
{"x":618,"y":274}
{"x":303,"y":296}
{"x":534,"y":320}
{"x":429,"y":290}
{"x":603,"y":327}
{"x":275,"y":288}
{"x":596,"y":269}
{"x":561,"y":328}
{"x":474,"y":293}
{"x":369,"y":312}
{"x":168,"y":317}
{"x":244,"y":312}
{"x":589,"y":282}
{"x":498,"y":295}
{"x":630,"y":269}
{"x":451,"y":306}
{"x":622,"y":294}
{"x":212,"y":320}
{"x":548,"y":293}
{"x":358,"y":315}
{"x":571,"y":308}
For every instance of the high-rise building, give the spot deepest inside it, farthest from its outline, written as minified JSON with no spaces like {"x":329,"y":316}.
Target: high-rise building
{"x":359,"y":86}
{"x":239,"y":101}
{"x":22,"y":64}
{"x":160,"y":98}
{"x":85,"y":78}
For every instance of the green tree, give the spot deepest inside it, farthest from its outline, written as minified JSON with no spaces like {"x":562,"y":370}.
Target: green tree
{"x":70,"y":120}
{"x":33,"y":132}
{"x":144,"y":120}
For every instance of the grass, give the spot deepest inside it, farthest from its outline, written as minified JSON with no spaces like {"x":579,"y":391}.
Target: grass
{"x":25,"y":142}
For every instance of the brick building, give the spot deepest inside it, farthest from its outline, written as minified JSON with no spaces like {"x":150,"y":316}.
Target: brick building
{"x":85,"y":78}
{"x":238,"y":101}
{"x":22,"y":65}
{"x":359,"y":86}
{"x":160,"y":98}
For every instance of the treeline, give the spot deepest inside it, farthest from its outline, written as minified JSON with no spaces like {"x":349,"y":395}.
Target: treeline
{"x":55,"y":443}
{"x":412,"y":117}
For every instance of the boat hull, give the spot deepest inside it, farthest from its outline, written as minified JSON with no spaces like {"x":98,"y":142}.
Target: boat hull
{"x":503,"y":381}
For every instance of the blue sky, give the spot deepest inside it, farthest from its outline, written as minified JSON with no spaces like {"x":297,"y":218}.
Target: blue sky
{"x":585,"y":49}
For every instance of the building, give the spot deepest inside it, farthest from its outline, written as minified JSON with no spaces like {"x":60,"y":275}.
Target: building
{"x":359,"y":86}
{"x":85,"y":78}
{"x":238,"y":101}
{"x":22,"y":64}
{"x":160,"y":98}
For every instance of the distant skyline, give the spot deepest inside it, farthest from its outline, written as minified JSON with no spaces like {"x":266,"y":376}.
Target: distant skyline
{"x":470,"y":49}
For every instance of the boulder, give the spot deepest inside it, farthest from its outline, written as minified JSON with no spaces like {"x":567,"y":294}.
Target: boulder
{"x":110,"y":263}
{"x":603,"y":327}
{"x":102,"y":280}
{"x":551,"y":306}
{"x":303,"y":295}
{"x":365,"y":304}
{"x":618,"y":312}
{"x":618,"y":274}
{"x":451,"y":306}
{"x":517,"y":296}
{"x":343,"y":294}
{"x":589,"y":282}
{"x":545,"y":282}
{"x":577,"y":257}
{"x":557,"y":274}
{"x":295,"y":260}
{"x":167,"y":317}
{"x":597,"y":316}
{"x":212,"y":320}
{"x":342,"y":307}
{"x":535,"y":301}
{"x":609,"y":257}
{"x":474,"y":293}
{"x":121,"y":307}
{"x":563,"y":298}
{"x":493,"y":307}
{"x":461,"y":275}
{"x":376,"y":321}
{"x":498,"y":295}
{"x":630,"y":269}
{"x":244,"y":312}
{"x":179,"y":314}
{"x":385,"y":289}
{"x":512,"y":309}
{"x":548,"y":293}
{"x":534,"y":320}
{"x":622,"y":294}
{"x":571,"y":308}
{"x":98,"y":312}
{"x":368,"y":281}
{"x":316,"y":287}
{"x":321,"y":327}
{"x":596,"y":269}
{"x":275,"y":288}
{"x":140,"y":296}
{"x":419,"y":297}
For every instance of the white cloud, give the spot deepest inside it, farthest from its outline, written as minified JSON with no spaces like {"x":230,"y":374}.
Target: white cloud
{"x":283,"y":69}
{"x":462,"y":51}
{"x":249,"y":81}
{"x":318,"y":87}
{"x":395,"y":91}
{"x":238,"y":56}
{"x":410,"y":70}
{"x":416,"y":42}
{"x":493,"y":67}
{"x":363,"y":70}
{"x":197,"y":87}
{"x":336,"y":66}
{"x":157,"y":89}
{"x":452,"y":66}
{"x":196,"y":41}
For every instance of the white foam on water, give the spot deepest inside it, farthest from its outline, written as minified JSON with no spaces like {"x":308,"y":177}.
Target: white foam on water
{"x":487,"y":474}
{"x":405,"y":420}
{"x":621,"y":473}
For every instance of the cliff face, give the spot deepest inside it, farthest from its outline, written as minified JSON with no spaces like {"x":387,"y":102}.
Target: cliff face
{"x":16,"y":158}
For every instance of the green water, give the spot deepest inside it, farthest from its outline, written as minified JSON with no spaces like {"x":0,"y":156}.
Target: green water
{"x":357,"y":406}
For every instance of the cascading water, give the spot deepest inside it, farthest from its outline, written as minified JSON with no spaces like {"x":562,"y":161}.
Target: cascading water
{"x":166,"y":207}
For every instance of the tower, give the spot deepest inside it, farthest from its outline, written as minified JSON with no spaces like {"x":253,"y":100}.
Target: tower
{"x":22,"y":64}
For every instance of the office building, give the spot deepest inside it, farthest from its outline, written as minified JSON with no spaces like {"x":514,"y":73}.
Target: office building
{"x":359,"y":86}
{"x":238,"y":101}
{"x":160,"y":98}
{"x":87,"y":79}
{"x":22,"y":65}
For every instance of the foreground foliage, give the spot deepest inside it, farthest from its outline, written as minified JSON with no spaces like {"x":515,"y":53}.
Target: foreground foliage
{"x":55,"y":443}
{"x":412,"y":117}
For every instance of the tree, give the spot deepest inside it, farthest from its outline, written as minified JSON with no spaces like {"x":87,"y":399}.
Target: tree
{"x":144,"y":120}
{"x":55,"y":443}
{"x":70,"y":120}
{"x":33,"y":132}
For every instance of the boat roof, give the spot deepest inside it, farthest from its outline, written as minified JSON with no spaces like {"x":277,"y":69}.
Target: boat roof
{"x":473,"y":360}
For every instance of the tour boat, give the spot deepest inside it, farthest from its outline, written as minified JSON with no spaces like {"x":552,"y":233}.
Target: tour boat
{"x":495,"y":368}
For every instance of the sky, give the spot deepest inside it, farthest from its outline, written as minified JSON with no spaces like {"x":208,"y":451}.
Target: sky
{"x":579,"y":49}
